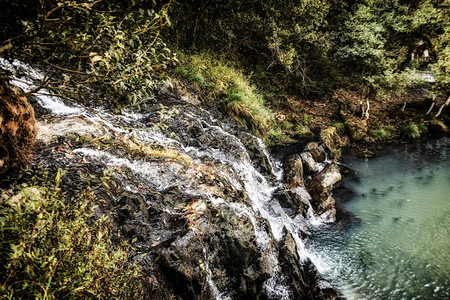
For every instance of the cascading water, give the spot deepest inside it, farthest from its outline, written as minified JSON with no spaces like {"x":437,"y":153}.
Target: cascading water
{"x":224,"y":149}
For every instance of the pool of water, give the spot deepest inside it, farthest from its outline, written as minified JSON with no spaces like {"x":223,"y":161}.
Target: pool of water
{"x":400,"y":247}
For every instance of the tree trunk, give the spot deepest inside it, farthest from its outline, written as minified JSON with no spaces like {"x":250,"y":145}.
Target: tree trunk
{"x":443,"y":105}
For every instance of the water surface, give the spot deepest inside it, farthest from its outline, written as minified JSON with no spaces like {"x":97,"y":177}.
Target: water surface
{"x":400,"y":248}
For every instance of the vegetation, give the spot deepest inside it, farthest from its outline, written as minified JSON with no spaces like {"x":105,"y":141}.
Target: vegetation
{"x":17,"y":128}
{"x":412,"y":130}
{"x":311,"y":47}
{"x":380,"y":134}
{"x":113,"y":49}
{"x":226,"y":84}
{"x":53,"y":247}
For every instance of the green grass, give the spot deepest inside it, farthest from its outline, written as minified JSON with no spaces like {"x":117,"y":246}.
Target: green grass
{"x":228,"y":85}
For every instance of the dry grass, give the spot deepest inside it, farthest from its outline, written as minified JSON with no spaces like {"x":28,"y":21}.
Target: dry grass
{"x":17,"y":128}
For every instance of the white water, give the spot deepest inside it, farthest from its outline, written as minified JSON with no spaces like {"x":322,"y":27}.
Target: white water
{"x":262,"y":205}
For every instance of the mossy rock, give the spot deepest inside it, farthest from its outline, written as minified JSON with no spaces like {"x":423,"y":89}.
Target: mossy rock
{"x":332,"y":140}
{"x":357,"y":128}
{"x":17,"y":128}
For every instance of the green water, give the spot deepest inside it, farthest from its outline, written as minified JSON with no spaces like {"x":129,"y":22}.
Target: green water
{"x":400,"y":248}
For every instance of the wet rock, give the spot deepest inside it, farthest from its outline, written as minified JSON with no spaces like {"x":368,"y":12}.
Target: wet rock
{"x":302,"y":274}
{"x":311,"y":166}
{"x":78,"y":130}
{"x":293,"y":201}
{"x":332,"y":140}
{"x":293,"y":171}
{"x":17,"y":128}
{"x":256,"y":152}
{"x":317,"y":151}
{"x":320,"y":188}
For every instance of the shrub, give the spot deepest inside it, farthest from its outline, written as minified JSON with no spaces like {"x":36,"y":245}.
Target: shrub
{"x":412,"y":130}
{"x":52,"y":248}
{"x":379,"y":134}
{"x":422,"y":127}
{"x":17,"y":128}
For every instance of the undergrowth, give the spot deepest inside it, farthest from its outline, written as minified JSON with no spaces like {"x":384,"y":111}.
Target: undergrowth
{"x":54,"y":248}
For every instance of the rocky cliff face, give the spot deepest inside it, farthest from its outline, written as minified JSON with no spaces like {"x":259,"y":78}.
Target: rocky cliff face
{"x":211,"y":215}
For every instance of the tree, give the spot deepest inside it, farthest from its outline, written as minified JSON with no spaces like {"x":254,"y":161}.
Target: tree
{"x":115,"y":47}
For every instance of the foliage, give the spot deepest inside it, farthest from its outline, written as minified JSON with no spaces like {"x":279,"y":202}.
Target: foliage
{"x":285,"y":41}
{"x":53,"y":248}
{"x":113,"y":49}
{"x":412,"y":130}
{"x":311,"y":47}
{"x":380,"y":134}
{"x":226,"y":83}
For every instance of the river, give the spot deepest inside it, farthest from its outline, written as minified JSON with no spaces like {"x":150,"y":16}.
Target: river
{"x":399,"y":247}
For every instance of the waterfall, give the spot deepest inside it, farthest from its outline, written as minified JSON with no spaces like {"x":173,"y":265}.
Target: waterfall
{"x":224,"y":149}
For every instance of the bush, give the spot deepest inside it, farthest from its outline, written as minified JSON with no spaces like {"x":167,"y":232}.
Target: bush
{"x":52,"y":248}
{"x":412,"y":130}
{"x":380,"y":134}
{"x":17,"y":128}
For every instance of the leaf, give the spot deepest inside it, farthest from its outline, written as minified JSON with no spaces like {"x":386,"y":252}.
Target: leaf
{"x":96,"y":58}
{"x":59,"y":176}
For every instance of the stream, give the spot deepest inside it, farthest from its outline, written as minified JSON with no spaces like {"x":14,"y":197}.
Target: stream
{"x":399,"y":248}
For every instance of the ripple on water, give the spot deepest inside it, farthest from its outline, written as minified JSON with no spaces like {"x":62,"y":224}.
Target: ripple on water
{"x":399,"y":250}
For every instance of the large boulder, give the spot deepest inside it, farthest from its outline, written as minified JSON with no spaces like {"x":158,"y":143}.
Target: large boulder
{"x":332,"y":140}
{"x":320,"y":188}
{"x":293,"y":171}
{"x":17,"y":128}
